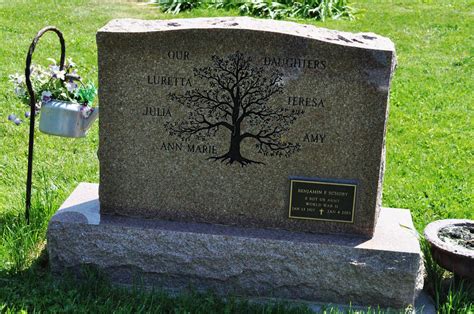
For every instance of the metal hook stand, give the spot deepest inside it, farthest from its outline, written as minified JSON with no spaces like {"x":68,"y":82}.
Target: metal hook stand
{"x":33,"y":107}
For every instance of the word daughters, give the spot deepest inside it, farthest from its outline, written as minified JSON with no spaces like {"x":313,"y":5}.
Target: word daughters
{"x":295,"y":63}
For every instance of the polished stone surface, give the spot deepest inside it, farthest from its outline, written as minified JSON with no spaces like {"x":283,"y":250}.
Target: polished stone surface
{"x":250,"y":262}
{"x":206,"y":120}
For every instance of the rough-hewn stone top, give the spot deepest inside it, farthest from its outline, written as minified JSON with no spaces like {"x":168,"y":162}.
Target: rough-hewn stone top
{"x":245,"y":122}
{"x":362,"y":40}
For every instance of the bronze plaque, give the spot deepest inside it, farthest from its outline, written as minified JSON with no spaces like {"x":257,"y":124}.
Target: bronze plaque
{"x":322,"y":200}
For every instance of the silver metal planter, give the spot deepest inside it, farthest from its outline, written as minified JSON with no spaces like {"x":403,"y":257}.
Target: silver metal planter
{"x":66,"y":119}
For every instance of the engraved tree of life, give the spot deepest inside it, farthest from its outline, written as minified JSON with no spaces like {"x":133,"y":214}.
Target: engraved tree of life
{"x":236,"y":100}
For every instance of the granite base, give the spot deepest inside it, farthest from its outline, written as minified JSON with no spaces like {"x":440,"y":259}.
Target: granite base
{"x":249,"y":262}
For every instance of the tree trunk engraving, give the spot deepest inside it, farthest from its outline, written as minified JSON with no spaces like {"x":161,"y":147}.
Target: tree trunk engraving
{"x":236,"y":101}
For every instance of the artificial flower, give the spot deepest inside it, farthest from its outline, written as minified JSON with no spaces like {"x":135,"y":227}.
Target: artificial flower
{"x":71,"y":86}
{"x":46,"y":96}
{"x":56,"y":72}
{"x":86,"y":111}
{"x":20,"y":92}
{"x":70,"y":63}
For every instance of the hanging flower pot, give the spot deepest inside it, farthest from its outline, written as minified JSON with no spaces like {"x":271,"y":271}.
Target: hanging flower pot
{"x":61,"y":97}
{"x":66,"y":118}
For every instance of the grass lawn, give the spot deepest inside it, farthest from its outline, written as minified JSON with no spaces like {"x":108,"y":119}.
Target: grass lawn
{"x":430,"y":142}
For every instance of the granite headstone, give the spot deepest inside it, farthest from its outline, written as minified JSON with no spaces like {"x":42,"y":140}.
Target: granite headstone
{"x":245,"y":122}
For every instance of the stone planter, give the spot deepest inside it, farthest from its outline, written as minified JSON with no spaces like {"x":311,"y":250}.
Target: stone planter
{"x":452,"y":245}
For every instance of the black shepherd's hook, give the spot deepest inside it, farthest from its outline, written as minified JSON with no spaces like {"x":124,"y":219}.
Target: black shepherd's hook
{"x":33,"y":106}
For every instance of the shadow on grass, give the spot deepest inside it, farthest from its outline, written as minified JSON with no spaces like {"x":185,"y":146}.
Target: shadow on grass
{"x":36,"y":289}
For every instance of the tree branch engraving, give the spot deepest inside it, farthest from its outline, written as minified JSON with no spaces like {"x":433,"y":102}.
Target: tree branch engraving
{"x":237,"y":101}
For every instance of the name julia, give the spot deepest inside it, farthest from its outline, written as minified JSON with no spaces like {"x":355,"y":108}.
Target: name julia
{"x":157,"y":112}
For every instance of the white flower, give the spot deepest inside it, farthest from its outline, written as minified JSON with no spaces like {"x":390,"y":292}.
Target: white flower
{"x":60,"y":75}
{"x":34,"y":69}
{"x":19,"y":79}
{"x":71,"y":63}
{"x":20,"y":92}
{"x":46,"y":96}
{"x":71,"y":86}
{"x":16,"y":78}
{"x":57,"y":73}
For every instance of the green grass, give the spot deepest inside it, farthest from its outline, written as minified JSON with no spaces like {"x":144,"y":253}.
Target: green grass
{"x":429,"y":142}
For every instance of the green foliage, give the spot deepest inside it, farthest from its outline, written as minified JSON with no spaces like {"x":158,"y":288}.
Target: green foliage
{"x":434,"y":273}
{"x":21,"y":243}
{"x":176,"y":6}
{"x":309,"y":9}
{"x":320,"y":9}
{"x":86,"y":93}
{"x":264,"y":8}
{"x":227,"y":4}
{"x":457,"y":299}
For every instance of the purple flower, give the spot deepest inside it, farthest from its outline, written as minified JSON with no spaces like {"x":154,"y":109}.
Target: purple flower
{"x":74,"y":75}
{"x":46,"y":96}
{"x":11,"y":117}
{"x":71,"y":86}
{"x":86,"y":111}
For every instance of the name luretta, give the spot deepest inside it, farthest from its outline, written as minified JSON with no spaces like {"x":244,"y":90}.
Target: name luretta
{"x":169,"y":80}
